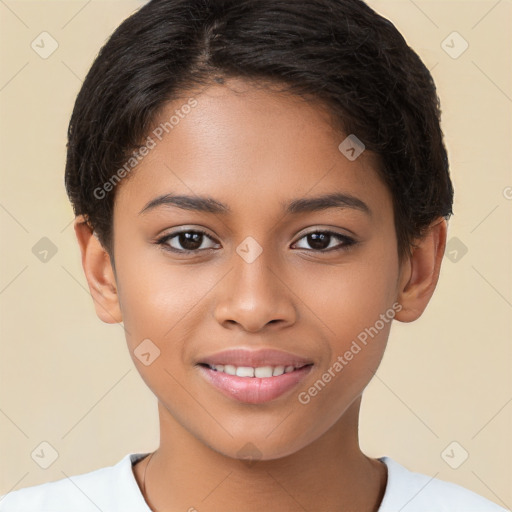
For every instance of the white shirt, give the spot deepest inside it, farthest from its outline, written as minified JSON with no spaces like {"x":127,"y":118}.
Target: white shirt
{"x":114,"y":489}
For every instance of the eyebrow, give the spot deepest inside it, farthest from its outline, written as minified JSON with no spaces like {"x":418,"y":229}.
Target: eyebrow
{"x":306,"y":204}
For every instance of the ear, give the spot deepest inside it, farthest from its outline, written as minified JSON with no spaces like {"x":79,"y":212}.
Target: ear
{"x":98,"y":272}
{"x":419,"y":272}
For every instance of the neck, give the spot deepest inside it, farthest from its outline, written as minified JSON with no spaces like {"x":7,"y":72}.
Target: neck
{"x":331,"y":473}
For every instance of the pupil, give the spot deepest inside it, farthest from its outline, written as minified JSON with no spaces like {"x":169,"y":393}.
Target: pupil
{"x":317,"y":240}
{"x":189,"y":241}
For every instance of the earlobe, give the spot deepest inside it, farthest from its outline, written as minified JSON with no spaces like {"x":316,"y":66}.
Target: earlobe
{"x":420,"y":272}
{"x":98,"y":272}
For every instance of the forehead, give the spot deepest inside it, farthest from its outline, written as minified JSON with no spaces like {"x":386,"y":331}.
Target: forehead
{"x":249,"y":147}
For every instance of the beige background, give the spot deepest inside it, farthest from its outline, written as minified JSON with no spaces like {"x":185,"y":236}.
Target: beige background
{"x":67,"y":379}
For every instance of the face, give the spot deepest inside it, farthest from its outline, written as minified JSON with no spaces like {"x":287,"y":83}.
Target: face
{"x":263,"y":265}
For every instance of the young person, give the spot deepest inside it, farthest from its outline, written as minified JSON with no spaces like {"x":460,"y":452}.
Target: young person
{"x":268,"y":189}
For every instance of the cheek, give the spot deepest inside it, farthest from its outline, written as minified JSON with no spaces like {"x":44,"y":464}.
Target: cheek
{"x":350,"y":305}
{"x":157,"y":297}
{"x":348,"y":299}
{"x":159,"y":303}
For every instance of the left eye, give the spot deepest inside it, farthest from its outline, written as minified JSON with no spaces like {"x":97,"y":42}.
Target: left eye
{"x":321,"y":241}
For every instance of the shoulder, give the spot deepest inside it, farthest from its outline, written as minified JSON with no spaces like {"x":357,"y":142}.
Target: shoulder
{"x":407,"y":491}
{"x":110,"y":488}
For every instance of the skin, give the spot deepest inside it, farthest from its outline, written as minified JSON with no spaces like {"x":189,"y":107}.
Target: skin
{"x":252,"y":149}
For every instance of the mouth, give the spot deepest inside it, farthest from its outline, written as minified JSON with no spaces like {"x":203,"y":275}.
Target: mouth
{"x":254,"y":385}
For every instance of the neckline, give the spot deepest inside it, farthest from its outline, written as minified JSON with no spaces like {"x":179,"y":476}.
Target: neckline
{"x":133,"y":458}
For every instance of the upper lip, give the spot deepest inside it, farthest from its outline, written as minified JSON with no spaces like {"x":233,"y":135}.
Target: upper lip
{"x":255,"y":358}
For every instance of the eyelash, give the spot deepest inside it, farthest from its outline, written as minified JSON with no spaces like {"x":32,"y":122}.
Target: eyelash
{"x":347,"y":241}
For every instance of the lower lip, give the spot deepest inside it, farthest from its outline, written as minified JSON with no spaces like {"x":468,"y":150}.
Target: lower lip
{"x":254,"y":390}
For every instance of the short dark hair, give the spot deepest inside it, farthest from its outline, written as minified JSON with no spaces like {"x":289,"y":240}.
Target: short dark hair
{"x":340,"y":52}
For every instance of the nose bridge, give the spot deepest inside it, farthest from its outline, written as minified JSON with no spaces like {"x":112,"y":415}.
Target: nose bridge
{"x":253,"y":271}
{"x":253,"y":295}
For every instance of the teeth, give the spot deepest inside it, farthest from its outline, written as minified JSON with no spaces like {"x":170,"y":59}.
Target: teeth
{"x":249,"y":371}
{"x":245,"y":371}
{"x":278,"y":370}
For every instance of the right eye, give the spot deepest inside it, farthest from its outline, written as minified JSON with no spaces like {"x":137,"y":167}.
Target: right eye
{"x":190,"y":240}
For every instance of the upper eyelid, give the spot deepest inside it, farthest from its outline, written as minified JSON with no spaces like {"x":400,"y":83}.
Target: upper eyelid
{"x":173,"y":234}
{"x":325,"y":230}
{"x":200,"y":230}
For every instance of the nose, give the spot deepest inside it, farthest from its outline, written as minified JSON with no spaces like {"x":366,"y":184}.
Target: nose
{"x":253,"y":295}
